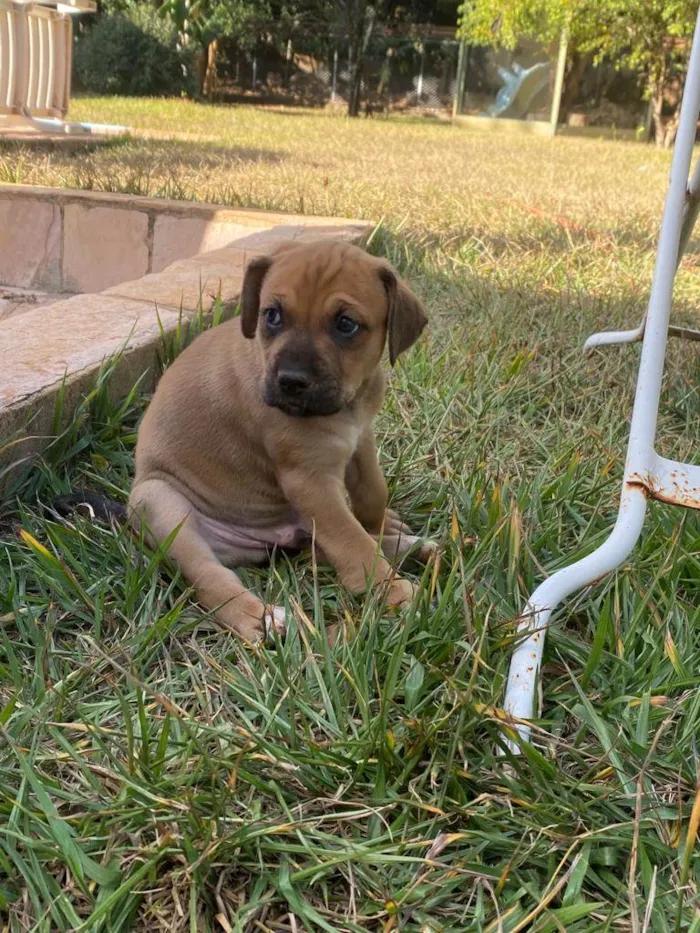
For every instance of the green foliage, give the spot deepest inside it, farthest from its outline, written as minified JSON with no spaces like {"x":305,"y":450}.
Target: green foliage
{"x":134,"y":52}
{"x":634,"y":33}
{"x":490,"y":22}
{"x":203,"y":21}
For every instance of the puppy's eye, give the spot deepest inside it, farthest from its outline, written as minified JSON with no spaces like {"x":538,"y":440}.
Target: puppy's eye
{"x":273,"y":318}
{"x":345,"y":326}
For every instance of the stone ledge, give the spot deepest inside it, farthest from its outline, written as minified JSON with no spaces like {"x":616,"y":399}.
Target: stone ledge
{"x":188,"y":286}
{"x":247,"y":216}
{"x":44,"y":345}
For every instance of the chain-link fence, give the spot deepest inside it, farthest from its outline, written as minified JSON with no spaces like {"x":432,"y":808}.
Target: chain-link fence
{"x":398,"y":74}
{"x":521,"y":85}
{"x":403,"y":74}
{"x":516,"y":84}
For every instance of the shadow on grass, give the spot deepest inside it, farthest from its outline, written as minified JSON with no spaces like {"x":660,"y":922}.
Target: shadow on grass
{"x":201,"y":153}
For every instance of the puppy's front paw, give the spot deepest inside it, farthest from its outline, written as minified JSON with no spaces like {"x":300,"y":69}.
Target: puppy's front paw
{"x":400,"y":592}
{"x":393,"y":524}
{"x":402,"y":546}
{"x":275,"y":619}
{"x":427,"y":551}
{"x":252,"y":620}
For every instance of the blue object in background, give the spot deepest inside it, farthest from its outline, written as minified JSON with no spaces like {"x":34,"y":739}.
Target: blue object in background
{"x":521,"y":86}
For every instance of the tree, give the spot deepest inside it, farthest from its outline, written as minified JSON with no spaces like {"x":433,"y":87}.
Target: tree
{"x":132,"y":51}
{"x":205,"y":22}
{"x":651,"y":37}
{"x":358,"y":19}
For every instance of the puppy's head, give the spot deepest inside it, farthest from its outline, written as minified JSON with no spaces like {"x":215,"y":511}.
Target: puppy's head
{"x":322,"y":314}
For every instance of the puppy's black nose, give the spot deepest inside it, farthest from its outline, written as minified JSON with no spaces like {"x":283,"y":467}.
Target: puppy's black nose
{"x":293,"y":381}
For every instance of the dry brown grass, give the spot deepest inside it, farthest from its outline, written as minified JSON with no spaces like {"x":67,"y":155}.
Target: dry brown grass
{"x":422,"y":173}
{"x":567,"y":212}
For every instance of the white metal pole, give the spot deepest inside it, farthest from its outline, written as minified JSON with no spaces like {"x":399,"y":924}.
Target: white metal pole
{"x":558,"y":82}
{"x":335,"y":74}
{"x":419,"y":89}
{"x":527,"y":656}
{"x":642,"y":460}
{"x":651,"y":366}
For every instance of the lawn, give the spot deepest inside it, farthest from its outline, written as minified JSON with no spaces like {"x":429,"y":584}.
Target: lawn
{"x":156,"y":775}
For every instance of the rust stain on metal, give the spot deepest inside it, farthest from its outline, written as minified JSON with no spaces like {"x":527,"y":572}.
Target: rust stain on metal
{"x":680,"y":491}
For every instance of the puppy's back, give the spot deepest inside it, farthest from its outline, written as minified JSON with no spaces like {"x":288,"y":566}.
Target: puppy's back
{"x":200,"y":427}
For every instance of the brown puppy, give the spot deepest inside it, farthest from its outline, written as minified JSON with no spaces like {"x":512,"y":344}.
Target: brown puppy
{"x":261,"y":431}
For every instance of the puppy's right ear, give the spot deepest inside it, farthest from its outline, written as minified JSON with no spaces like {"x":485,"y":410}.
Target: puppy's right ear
{"x":250,"y":293}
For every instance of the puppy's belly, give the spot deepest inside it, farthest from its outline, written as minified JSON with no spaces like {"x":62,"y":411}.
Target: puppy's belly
{"x":243,"y":544}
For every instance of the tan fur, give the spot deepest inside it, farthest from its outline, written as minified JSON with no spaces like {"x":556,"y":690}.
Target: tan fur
{"x":211,"y":448}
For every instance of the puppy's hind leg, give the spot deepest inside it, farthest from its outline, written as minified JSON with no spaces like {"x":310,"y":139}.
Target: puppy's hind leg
{"x":160,"y":509}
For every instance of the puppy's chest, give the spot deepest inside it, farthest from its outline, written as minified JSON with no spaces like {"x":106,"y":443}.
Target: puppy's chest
{"x":346,"y":442}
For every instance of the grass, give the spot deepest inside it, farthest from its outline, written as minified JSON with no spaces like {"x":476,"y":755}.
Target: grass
{"x":158,"y":776}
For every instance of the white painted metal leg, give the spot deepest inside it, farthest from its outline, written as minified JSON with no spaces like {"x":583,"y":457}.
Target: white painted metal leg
{"x":525,"y":663}
{"x":646,"y":473}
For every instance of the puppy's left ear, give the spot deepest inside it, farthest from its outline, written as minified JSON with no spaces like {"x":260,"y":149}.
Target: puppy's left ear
{"x":255,"y":273}
{"x":407,"y":317}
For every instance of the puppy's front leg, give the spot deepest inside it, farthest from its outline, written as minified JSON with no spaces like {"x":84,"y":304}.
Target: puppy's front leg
{"x":320,"y":498}
{"x":366,"y":484}
{"x":369,"y":496}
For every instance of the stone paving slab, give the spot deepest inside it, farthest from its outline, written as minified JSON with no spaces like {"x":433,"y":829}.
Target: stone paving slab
{"x":44,"y":345}
{"x":69,"y":341}
{"x":190,"y":286}
{"x":245,"y":216}
{"x":174,"y":236}
{"x":241,"y":251}
{"x":196,"y":283}
{"x":59,"y":240}
{"x":118,"y":247}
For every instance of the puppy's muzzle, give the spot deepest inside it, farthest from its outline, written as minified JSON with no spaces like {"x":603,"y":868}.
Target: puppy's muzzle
{"x":302,"y":392}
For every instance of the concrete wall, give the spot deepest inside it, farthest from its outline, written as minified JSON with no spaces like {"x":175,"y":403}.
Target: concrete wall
{"x":83,"y":241}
